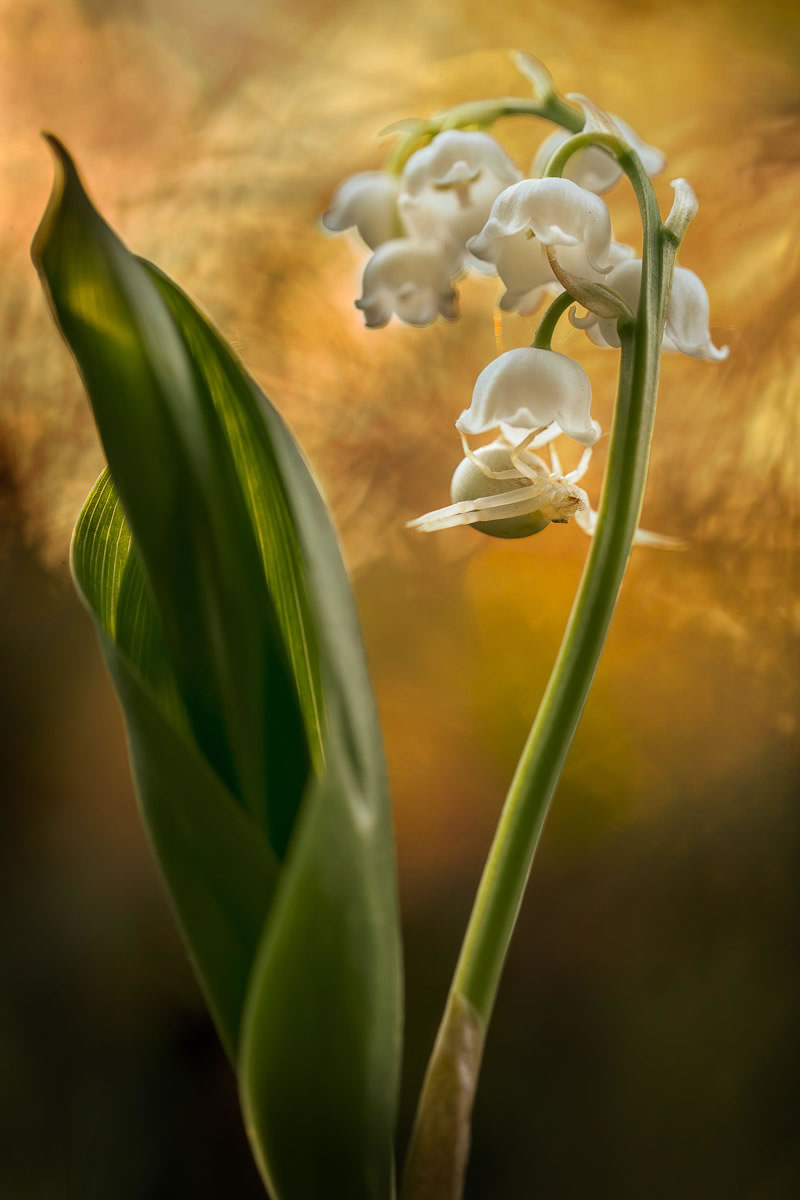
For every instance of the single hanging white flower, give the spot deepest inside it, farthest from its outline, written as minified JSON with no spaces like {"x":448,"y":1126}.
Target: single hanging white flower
{"x":687,"y":318}
{"x":450,"y":185}
{"x":367,"y":201}
{"x":410,"y":278}
{"x":593,"y":168}
{"x":531,"y":389}
{"x":521,"y":262}
{"x":534,"y":214}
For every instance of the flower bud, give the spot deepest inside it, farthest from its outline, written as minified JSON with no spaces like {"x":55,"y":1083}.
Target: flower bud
{"x":470,"y":483}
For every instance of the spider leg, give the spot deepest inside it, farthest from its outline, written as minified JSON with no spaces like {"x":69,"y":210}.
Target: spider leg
{"x":482,"y":467}
{"x":583,"y":465}
{"x":514,"y":503}
{"x":662,"y":541}
{"x":586,"y":519}
{"x":542,"y":437}
{"x":528,"y":464}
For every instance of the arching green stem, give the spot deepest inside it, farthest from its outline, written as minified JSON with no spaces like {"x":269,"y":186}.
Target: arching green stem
{"x":547,"y":326}
{"x":437,"y":1156}
{"x":482,"y":114}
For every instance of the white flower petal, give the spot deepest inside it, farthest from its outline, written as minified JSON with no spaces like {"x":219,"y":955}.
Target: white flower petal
{"x":521,"y":262}
{"x":557,"y":212}
{"x":653,"y":160}
{"x":527,"y":302}
{"x":459,"y":151}
{"x":368,"y":201}
{"x":450,"y":185}
{"x":603,"y":334}
{"x":593,"y":168}
{"x":530,"y":388}
{"x":546,"y":150}
{"x":626,"y":278}
{"x":442,"y":216}
{"x":687,"y":318}
{"x":411,"y":279}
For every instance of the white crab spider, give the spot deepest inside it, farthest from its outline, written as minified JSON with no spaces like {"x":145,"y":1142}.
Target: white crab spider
{"x":509,"y":492}
{"x":506,"y":491}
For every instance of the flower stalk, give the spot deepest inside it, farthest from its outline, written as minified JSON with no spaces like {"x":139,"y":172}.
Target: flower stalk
{"x":482,"y":114}
{"x":547,"y":326}
{"x":510,"y":859}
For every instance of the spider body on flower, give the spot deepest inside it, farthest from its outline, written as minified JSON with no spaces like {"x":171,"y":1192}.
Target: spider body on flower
{"x":508,"y":492}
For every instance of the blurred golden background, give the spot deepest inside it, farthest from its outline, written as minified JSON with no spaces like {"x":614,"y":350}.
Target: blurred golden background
{"x":646,"y":1039}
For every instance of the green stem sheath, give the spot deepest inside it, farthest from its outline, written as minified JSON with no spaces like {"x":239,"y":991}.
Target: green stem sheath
{"x":510,"y":859}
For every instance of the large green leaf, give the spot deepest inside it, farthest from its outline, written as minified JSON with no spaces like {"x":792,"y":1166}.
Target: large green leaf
{"x":175,"y":475}
{"x":324,"y":995}
{"x":219,"y":867}
{"x":228,"y":624}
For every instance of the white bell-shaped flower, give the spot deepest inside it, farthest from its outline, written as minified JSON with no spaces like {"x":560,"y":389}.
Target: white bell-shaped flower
{"x":544,"y":212}
{"x":521,"y":262}
{"x":593,"y":168}
{"x":530,"y":389}
{"x":450,"y":185}
{"x":410,"y":278}
{"x":686,"y":328}
{"x":367,"y":201}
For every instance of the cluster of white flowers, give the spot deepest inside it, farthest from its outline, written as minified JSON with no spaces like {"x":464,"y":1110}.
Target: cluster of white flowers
{"x":460,"y":203}
{"x":442,"y":199}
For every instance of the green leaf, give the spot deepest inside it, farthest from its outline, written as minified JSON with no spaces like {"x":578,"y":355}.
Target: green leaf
{"x":228,"y":624}
{"x":219,"y":868}
{"x":175,"y":476}
{"x":319,"y":1059}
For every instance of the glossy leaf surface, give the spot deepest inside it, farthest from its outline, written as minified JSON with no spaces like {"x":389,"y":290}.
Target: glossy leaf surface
{"x":227,"y":621}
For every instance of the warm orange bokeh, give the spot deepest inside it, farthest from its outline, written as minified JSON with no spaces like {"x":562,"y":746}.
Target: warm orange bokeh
{"x":654,"y":949}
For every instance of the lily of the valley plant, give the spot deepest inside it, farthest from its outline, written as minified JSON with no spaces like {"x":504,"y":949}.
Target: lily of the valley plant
{"x":208,"y":562}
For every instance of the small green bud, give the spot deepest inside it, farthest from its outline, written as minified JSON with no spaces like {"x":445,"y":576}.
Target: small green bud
{"x":470,"y":483}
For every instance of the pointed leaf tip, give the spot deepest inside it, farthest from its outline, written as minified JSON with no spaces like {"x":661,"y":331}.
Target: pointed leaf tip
{"x":67,"y":192}
{"x":59,"y":149}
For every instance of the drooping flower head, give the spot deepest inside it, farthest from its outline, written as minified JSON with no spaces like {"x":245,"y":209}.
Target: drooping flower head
{"x":556,"y":211}
{"x":367,"y":201}
{"x":534,"y":214}
{"x":450,"y":185}
{"x":530,"y":389}
{"x":687,"y":317}
{"x":410,"y":278}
